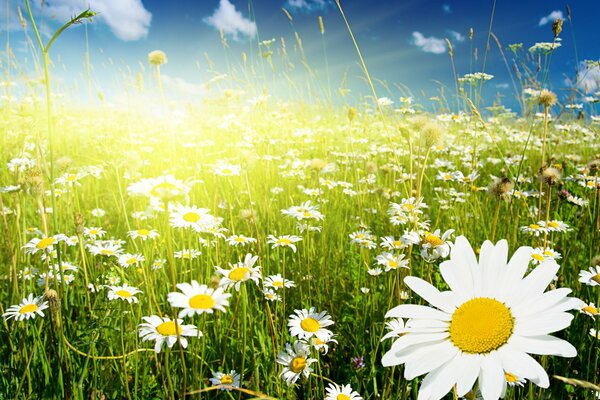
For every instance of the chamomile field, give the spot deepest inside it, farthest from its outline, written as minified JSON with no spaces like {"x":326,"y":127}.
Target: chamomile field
{"x":281,"y":237}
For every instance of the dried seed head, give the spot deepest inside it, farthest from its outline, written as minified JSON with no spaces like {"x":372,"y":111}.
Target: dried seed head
{"x":501,"y":187}
{"x":470,"y":33}
{"x":79,"y":222}
{"x":371,"y":167}
{"x":157,"y":57}
{"x":594,"y":165}
{"x":63,"y":163}
{"x":557,"y":27}
{"x":352,"y":113}
{"x":317,"y":164}
{"x":547,"y":98}
{"x":550,"y":176}
{"x":246,"y":214}
{"x":214,"y":281}
{"x":53,"y":300}
{"x":34,"y":179}
{"x":432,"y":134}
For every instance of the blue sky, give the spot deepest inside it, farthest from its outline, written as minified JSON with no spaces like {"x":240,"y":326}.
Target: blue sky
{"x":402,"y":43}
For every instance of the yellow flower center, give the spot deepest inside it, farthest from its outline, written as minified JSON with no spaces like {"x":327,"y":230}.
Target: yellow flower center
{"x":310,"y":324}
{"x":481,"y":325}
{"x":284,"y":242}
{"x":132,"y":260}
{"x":306,"y":214}
{"x":226,"y":380}
{"x":202,"y":301}
{"x":240,"y":239}
{"x":510,"y":377}
{"x":590,"y":309}
{"x":29,"y":308}
{"x":548,"y":253}
{"x":162,"y":189}
{"x":397,"y":243}
{"x":169,"y":328}
{"x":226,"y":171}
{"x":278,"y":283}
{"x":191,"y":217}
{"x":143,"y":232}
{"x":537,"y":256}
{"x":596,"y":278}
{"x":392,"y":264}
{"x":238,"y":274}
{"x":107,"y":252}
{"x":408,"y":206}
{"x":71,"y":178}
{"x":535,"y":227}
{"x":342,"y":396}
{"x":298,"y":364}
{"x":45,"y":243}
{"x":433,"y":240}
{"x":553,"y":224}
{"x":93,"y":231}
{"x":123,"y":293}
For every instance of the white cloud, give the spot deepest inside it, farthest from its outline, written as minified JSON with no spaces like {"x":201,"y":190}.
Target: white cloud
{"x":127,"y":19}
{"x":503,"y":85}
{"x":183,"y":86}
{"x":307,"y":5}
{"x":459,"y":37}
{"x":231,"y":21}
{"x":429,"y":44}
{"x":589,"y":78}
{"x":551,"y":17}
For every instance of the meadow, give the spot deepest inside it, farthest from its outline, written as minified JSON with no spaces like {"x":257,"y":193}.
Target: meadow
{"x":248,"y":246}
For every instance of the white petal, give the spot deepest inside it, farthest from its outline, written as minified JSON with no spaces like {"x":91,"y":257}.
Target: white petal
{"x":440,"y":381}
{"x":417,"y":312}
{"x":430,"y":293}
{"x":459,"y":279}
{"x":539,"y":303}
{"x":515,"y":270}
{"x":543,"y":345}
{"x":491,"y":377}
{"x":542,"y":324}
{"x":430,"y":360}
{"x":467,"y":372}
{"x":534,"y":283}
{"x":523,"y":366}
{"x":401,"y":354}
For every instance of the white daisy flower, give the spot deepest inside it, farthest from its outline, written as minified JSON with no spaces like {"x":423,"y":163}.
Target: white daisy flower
{"x":277,"y":282}
{"x":344,"y":392}
{"x":164,"y":330}
{"x":226,"y":381}
{"x":240,"y":272}
{"x":391,"y":261}
{"x":284,"y":241}
{"x":485,"y":325}
{"x":307,"y":323}
{"x":590,"y":277}
{"x":28,"y":308}
{"x":296,"y":362}
{"x":143,"y":234}
{"x":198,"y":299}
{"x":124,"y":292}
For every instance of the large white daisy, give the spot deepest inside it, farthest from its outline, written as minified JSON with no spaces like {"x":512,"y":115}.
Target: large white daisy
{"x":485,"y":325}
{"x":198,"y":299}
{"x":164,"y":330}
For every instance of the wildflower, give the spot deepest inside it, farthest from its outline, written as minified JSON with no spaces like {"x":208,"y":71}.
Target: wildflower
{"x":358,"y":362}
{"x":124,"y":292}
{"x":187,"y":254}
{"x":589,"y":309}
{"x":322,"y":346}
{"x":127,"y":260}
{"x":344,"y":392}
{"x":546,"y":98}
{"x":165,"y":187}
{"x":240,"y":240}
{"x":240,"y":272}
{"x":534,"y":229}
{"x":185,"y":217}
{"x":390,"y":243}
{"x":307,"y":323}
{"x":106,"y":249}
{"x":304,"y":211}
{"x":485,"y":325}
{"x":164,"y":330}
{"x":226,"y":381}
{"x":98,"y":213}
{"x":513,"y":380}
{"x":285,"y":240}
{"x":271,"y":295}
{"x":198,"y":299}
{"x":143,"y":234}
{"x":590,"y":277}
{"x":392,"y":261}
{"x":277,"y":282}
{"x":554,"y":226}
{"x":28,"y":308}
{"x":395,"y":327}
{"x":225,"y":169}
{"x":296,"y":362}
{"x":44,"y":244}
{"x":434,"y":246}
{"x":540,"y":254}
